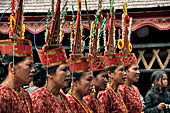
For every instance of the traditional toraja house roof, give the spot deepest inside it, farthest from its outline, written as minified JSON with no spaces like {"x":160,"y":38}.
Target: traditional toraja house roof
{"x":43,"y":5}
{"x":157,"y":19}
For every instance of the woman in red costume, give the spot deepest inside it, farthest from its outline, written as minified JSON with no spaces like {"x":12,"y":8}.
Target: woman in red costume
{"x":50,"y":99}
{"x":82,"y":74}
{"x":16,"y":68}
{"x":129,"y":92}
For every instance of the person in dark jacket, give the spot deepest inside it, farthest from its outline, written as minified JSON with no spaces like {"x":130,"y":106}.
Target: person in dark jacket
{"x":39,"y":78}
{"x":157,"y":99}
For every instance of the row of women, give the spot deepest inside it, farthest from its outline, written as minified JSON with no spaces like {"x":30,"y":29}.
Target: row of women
{"x":99,"y":84}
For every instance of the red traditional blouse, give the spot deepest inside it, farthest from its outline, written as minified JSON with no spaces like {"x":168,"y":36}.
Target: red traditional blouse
{"x":45,"y":102}
{"x":10,"y":102}
{"x":111,"y":101}
{"x":77,"y":107}
{"x":131,"y":97}
{"x":94,"y":104}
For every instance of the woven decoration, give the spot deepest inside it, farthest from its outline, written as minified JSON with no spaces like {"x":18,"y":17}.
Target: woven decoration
{"x":52,"y":53}
{"x":16,"y":45}
{"x":128,"y":58}
{"x":77,"y":62}
{"x":111,"y":57}
{"x":97,"y":61}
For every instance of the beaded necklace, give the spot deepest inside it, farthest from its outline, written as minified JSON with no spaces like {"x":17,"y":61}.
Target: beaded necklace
{"x":130,"y":87}
{"x":80,"y":103}
{"x":97,"y":101}
{"x":120,"y":99}
{"x":20,"y":100}
{"x":59,"y":100}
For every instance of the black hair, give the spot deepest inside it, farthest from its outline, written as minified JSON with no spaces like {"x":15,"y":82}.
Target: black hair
{"x":4,"y":63}
{"x":96,"y":73}
{"x":127,"y":67}
{"x":52,"y":70}
{"x":157,"y":75}
{"x":112,"y":69}
{"x":77,"y":76}
{"x":39,"y":78}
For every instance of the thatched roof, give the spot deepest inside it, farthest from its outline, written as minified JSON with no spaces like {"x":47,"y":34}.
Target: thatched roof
{"x":41,"y":6}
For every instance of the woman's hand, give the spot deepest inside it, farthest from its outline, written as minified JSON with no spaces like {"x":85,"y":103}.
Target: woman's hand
{"x":161,"y":106}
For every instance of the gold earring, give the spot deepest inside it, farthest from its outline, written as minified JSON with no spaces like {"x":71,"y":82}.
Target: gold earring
{"x":13,"y":74}
{"x":71,"y":89}
{"x":93,"y":89}
{"x":49,"y":76}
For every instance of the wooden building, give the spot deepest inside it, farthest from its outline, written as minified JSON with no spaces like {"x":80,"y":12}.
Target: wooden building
{"x":150,"y":28}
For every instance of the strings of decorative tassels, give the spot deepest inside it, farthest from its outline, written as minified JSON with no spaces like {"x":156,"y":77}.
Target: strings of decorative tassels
{"x":123,"y":20}
{"x":123,"y":29}
{"x":79,"y":5}
{"x":77,"y":37}
{"x":111,"y":5}
{"x":62,"y":24}
{"x":122,"y":41}
{"x":52,"y":8}
{"x":101,"y":29}
{"x":81,"y":25}
{"x":23,"y":32}
{"x":71,"y":36}
{"x":98,"y":42}
{"x":12,"y":26}
{"x":12,"y":7}
{"x":95,"y":25}
{"x":87,"y":13}
{"x":82,"y":45}
{"x":23,"y":26}
{"x":114,"y":33}
{"x":12,"y":19}
{"x":91,"y":32}
{"x":73,"y":19}
{"x":129,"y":34}
{"x":126,"y":29}
{"x":100,"y":32}
{"x":47,"y":33}
{"x":79,"y":9}
{"x":104,"y":38}
{"x":72,"y":28}
{"x":129,"y":29}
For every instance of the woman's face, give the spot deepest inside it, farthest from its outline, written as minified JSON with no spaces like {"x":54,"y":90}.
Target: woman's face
{"x":101,"y":81}
{"x":62,"y":76}
{"x":119,"y":75}
{"x":133,"y":73}
{"x":164,"y":81}
{"x":24,"y":70}
{"x":84,"y":85}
